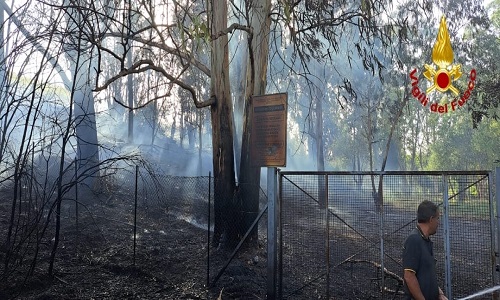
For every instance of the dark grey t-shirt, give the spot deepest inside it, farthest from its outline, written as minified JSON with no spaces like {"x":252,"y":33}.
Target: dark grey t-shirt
{"x":419,"y":257}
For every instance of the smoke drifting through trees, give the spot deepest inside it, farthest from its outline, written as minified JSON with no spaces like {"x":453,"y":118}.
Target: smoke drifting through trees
{"x":346,"y":79}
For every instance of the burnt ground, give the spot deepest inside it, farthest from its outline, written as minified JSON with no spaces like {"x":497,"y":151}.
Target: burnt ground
{"x":95,"y":260}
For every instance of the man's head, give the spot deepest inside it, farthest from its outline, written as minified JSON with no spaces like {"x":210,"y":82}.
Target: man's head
{"x":428,"y":217}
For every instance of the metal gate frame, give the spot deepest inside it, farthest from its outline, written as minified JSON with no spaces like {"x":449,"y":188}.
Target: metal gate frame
{"x":494,"y":220}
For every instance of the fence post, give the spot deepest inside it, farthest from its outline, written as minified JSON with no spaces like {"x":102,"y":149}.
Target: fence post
{"x":279,"y":264}
{"x":76,"y":201}
{"x":135,"y":210}
{"x":380,"y":194}
{"x":327,"y":215}
{"x":497,"y":198}
{"x":271,"y":233}
{"x":446,"y":227}
{"x":493,"y":240}
{"x":208,"y":227}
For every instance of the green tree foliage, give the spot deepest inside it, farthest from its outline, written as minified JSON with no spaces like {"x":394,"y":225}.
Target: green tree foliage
{"x":460,"y":146}
{"x":483,"y":51}
{"x":353,"y":56}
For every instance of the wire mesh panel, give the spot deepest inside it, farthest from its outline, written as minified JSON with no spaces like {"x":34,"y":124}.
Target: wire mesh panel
{"x":402,"y":195}
{"x":354,"y":236}
{"x":303,"y":223}
{"x":364,"y":222}
{"x":471,"y":234}
{"x":243,"y":259}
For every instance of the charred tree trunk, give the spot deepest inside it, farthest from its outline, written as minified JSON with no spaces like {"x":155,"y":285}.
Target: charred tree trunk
{"x":222,"y":122}
{"x":256,"y":85}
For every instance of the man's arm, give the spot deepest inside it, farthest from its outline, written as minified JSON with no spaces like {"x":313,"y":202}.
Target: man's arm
{"x":412,"y":284}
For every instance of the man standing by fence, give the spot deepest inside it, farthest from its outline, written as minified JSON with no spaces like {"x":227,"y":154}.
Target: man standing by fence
{"x":419,"y":264}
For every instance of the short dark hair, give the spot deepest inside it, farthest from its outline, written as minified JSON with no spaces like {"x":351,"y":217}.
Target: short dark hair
{"x":426,"y":210}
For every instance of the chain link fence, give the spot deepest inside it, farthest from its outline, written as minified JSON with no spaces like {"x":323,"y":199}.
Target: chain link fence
{"x":337,"y":238}
{"x":138,"y":218}
{"x":352,"y":250}
{"x":191,"y":199}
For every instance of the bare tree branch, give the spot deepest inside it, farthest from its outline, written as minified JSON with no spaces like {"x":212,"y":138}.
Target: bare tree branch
{"x":150,"y":65}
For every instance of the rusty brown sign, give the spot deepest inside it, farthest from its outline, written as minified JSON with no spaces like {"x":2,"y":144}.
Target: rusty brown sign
{"x":268,"y":135}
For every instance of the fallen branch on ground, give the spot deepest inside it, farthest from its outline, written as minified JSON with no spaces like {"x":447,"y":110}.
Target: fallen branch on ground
{"x":378,"y":266}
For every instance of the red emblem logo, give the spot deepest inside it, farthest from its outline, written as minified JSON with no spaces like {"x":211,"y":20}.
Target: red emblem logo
{"x":442,"y":74}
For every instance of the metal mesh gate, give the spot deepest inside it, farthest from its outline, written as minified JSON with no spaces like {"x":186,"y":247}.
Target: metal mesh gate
{"x":336,"y":253}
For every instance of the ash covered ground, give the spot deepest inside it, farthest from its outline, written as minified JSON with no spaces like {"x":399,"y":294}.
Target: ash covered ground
{"x":95,"y":260}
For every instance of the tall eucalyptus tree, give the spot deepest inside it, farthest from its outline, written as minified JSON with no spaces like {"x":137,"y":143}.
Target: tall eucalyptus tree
{"x":306,"y":29}
{"x":311,"y":29}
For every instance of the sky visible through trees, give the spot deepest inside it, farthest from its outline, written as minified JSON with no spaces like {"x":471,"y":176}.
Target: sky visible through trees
{"x":174,"y":127}
{"x":91,"y":86}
